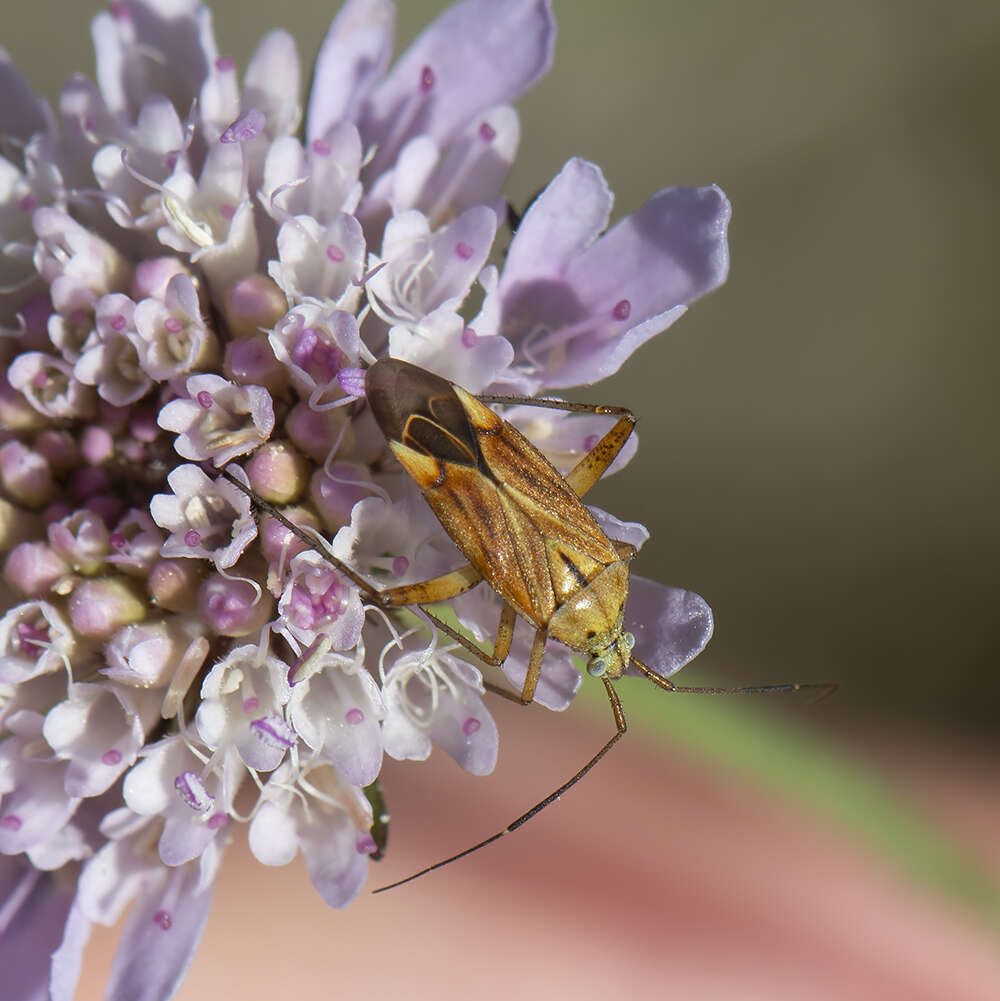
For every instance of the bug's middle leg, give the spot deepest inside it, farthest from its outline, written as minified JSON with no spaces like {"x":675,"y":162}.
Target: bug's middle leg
{"x":501,"y":644}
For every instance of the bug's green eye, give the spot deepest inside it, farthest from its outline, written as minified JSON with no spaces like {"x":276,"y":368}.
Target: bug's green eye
{"x":629,"y":640}
{"x":597,"y":667}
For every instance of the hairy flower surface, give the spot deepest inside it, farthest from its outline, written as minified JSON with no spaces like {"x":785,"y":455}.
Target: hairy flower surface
{"x":197,"y":270}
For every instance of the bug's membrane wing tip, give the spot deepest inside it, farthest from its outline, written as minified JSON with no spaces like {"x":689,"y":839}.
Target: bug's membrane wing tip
{"x":671,"y":626}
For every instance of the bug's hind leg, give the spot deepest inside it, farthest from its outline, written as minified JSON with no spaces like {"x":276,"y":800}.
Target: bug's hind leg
{"x":595,"y":463}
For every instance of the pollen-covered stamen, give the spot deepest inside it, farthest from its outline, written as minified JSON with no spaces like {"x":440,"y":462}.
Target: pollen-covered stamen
{"x":274,"y":731}
{"x":192,"y":791}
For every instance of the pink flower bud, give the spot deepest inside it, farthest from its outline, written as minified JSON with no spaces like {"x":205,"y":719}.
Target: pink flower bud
{"x":173,"y":584}
{"x":250,"y":361}
{"x":33,"y":567}
{"x":102,"y":606}
{"x":253,"y":303}
{"x":315,"y":432}
{"x":59,"y":448}
{"x":335,"y":493}
{"x":278,"y":472}
{"x":233,"y":607}
{"x":25,"y":475}
{"x":152,"y":277}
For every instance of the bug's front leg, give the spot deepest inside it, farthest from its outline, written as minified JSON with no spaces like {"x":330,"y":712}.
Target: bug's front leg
{"x":595,"y":463}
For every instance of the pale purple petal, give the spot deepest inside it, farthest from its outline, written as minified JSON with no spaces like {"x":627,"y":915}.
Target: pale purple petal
{"x":632,"y":532}
{"x":575,"y":304}
{"x":477,"y":54}
{"x":68,"y":958}
{"x":336,"y":867}
{"x":35,"y":906}
{"x":671,"y":626}
{"x":354,"y":54}
{"x":159,"y":940}
{"x":442,"y":343}
{"x":22,"y":114}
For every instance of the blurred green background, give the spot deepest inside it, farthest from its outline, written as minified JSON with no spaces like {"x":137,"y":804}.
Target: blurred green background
{"x":817,"y":437}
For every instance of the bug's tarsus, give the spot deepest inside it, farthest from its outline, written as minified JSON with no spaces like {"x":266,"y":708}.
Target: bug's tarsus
{"x":819,"y":690}
{"x":621,"y":725}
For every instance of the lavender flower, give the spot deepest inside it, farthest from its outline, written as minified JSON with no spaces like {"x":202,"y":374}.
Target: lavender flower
{"x":190,"y":286}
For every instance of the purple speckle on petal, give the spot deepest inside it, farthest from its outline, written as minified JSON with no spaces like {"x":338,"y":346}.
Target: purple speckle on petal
{"x":39,"y":380}
{"x":354,"y":716}
{"x":172,"y":325}
{"x":225,"y":64}
{"x":463,"y":250}
{"x":204,"y":399}
{"x":426,"y":79}
{"x":117,"y":541}
{"x":470,"y":726}
{"x":321,"y":148}
{"x":366,"y":844}
{"x":251,"y":704}
{"x":273,"y":731}
{"x":622,"y":309}
{"x":112,"y":757}
{"x":486,"y":132}
{"x":227,"y":211}
{"x":469,"y":337}
{"x":192,"y":791}
{"x":216,"y":821}
{"x":163,"y":919}
{"x":120,"y":11}
{"x":400,"y":565}
{"x":334,"y":253}
{"x":590,"y":441}
{"x":11,"y":822}
{"x":118,"y":323}
{"x":28,"y":203}
{"x":247,"y":126}
{"x":192,"y":538}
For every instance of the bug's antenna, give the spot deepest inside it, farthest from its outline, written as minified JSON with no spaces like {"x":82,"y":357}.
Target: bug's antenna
{"x":819,"y":690}
{"x":620,"y":723}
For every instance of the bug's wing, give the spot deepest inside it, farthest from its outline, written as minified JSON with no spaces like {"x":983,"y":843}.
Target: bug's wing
{"x":504,"y":504}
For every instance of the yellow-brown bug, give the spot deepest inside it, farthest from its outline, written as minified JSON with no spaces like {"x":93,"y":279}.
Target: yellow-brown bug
{"x":525,"y":532}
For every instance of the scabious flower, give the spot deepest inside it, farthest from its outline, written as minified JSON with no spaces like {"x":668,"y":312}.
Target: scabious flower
{"x":192,"y":284}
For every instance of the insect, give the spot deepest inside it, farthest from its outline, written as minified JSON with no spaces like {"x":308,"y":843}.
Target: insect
{"x":524,"y":530}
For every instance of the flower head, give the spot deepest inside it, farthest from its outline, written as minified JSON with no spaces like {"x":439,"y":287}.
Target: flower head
{"x":195,"y":292}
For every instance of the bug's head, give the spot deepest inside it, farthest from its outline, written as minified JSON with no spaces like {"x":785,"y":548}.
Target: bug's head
{"x":611,"y":661}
